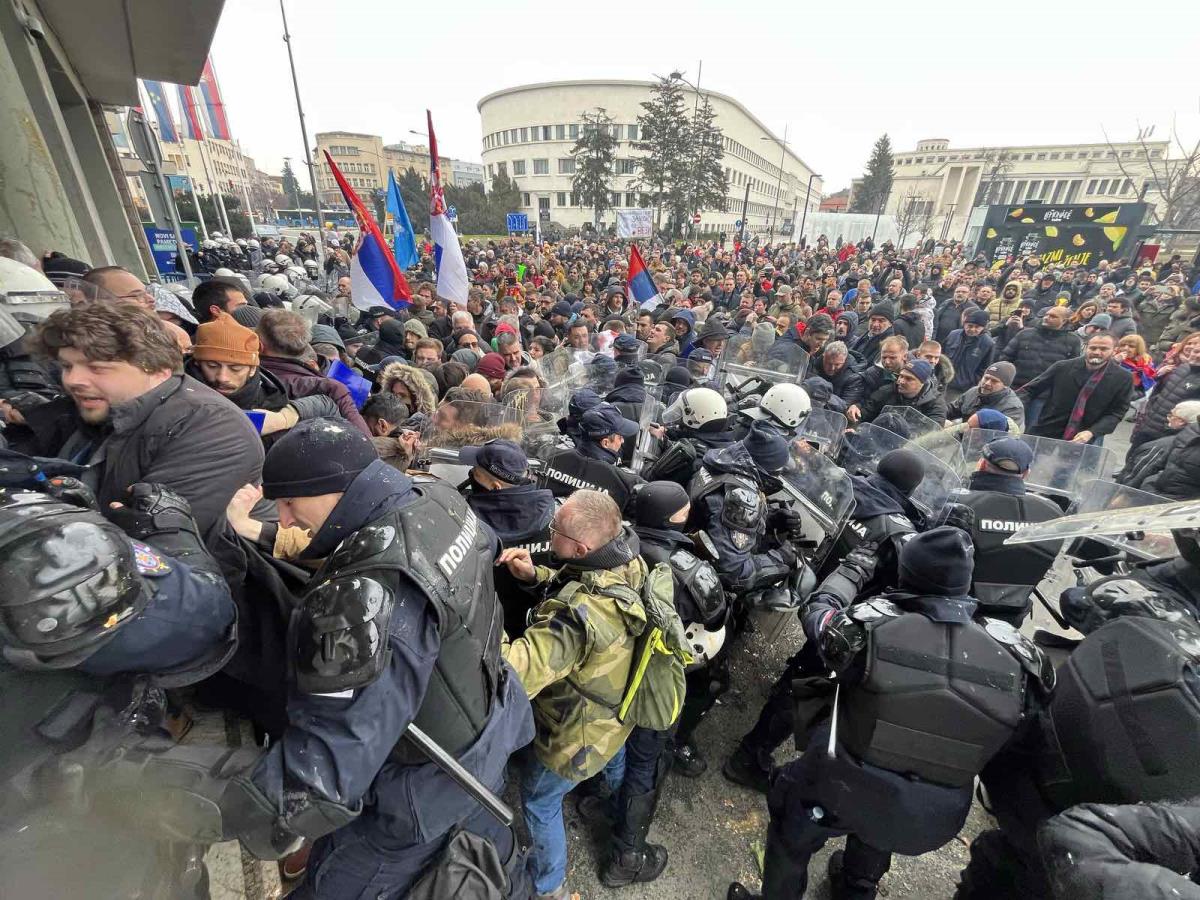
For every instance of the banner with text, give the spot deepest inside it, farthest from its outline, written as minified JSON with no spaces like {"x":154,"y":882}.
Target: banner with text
{"x":634,"y":223}
{"x":1062,"y":235}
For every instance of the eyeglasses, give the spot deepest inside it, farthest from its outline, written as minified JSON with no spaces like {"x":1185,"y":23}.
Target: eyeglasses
{"x":554,"y":530}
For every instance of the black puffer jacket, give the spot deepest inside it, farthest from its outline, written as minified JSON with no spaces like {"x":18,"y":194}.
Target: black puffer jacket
{"x":1123,"y":851}
{"x":1172,"y":389}
{"x":1179,"y":477}
{"x":930,"y":402}
{"x":1034,"y":350}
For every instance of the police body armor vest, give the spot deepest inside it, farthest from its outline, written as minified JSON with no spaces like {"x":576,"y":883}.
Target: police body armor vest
{"x":438,"y":544}
{"x":1006,"y":574}
{"x":937,"y":700}
{"x":569,"y":470}
{"x":699,"y":596}
{"x":705,"y":482}
{"x":1123,"y":725}
{"x":876,"y":530}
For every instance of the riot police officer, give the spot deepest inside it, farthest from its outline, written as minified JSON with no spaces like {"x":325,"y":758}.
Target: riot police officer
{"x":863,"y":561}
{"x":94,"y":626}
{"x":894,"y":766}
{"x":502,"y":494}
{"x":729,"y":503}
{"x":784,"y":406}
{"x":660,"y":510}
{"x":697,"y":421}
{"x":594,"y":463}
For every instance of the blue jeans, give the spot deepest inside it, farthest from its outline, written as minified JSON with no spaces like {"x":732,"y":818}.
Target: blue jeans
{"x":542,"y":793}
{"x":1033,"y":411}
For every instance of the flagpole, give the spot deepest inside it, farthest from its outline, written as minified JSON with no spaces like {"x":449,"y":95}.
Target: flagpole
{"x":218,"y":203}
{"x":312,"y":173}
{"x":155,"y":162}
{"x":221,"y":200}
{"x":245,"y":190}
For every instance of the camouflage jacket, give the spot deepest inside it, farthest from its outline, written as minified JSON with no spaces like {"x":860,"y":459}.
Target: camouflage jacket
{"x":574,"y":662}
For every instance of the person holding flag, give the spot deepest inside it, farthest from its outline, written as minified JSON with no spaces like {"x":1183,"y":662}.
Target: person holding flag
{"x":641,"y":285}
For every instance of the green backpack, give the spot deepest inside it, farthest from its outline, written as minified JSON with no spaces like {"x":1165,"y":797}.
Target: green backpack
{"x":654,"y":693}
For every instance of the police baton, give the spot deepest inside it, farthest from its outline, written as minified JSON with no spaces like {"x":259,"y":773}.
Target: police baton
{"x":460,"y":776}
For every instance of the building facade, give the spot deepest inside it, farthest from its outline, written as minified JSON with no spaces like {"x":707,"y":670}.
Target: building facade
{"x":938,"y":186}
{"x":364,"y":159}
{"x":529,"y":131}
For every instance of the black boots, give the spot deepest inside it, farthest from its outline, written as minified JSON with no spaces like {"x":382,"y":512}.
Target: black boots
{"x":784,"y":878}
{"x":633,"y":858}
{"x":745,"y":768}
{"x":867,"y":868}
{"x":687,"y":760}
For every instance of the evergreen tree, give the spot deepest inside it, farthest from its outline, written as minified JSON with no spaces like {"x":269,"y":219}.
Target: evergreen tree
{"x":503,"y":198}
{"x":877,"y":180}
{"x":415,"y":194}
{"x":292,"y":191}
{"x":593,"y":153}
{"x":705,"y":143}
{"x":663,"y":127}
{"x":239,"y":222}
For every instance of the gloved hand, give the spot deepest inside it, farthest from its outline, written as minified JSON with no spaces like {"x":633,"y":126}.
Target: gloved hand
{"x":151,"y":509}
{"x":787,"y":523}
{"x":958,"y":515}
{"x":71,"y":490}
{"x":841,"y":640}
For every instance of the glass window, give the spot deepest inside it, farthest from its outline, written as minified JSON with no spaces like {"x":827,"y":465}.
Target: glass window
{"x":630,"y":199}
{"x":543,"y":202}
{"x":1058,"y":191}
{"x":566,"y":167}
{"x":541,"y":167}
{"x":1041,"y":156}
{"x":574,"y":199}
{"x":524,"y":135}
{"x":626,"y":166}
{"x":1128,"y":189}
{"x":631,"y":131}
{"x":561,"y":198}
{"x":1091,"y":188}
{"x":524,"y":199}
{"x":504,"y":134}
{"x":560,"y":132}
{"x":1073,"y":192}
{"x":1019,"y":194}
{"x":573,"y":132}
{"x":614,"y":199}
{"x":518,"y":167}
{"x":545,"y":132}
{"x":502,"y":168}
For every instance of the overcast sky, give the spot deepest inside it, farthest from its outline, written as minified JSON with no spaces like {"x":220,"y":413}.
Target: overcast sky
{"x":838,"y":74}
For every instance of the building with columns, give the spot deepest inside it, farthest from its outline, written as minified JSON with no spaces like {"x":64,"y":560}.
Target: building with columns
{"x":529,"y":130}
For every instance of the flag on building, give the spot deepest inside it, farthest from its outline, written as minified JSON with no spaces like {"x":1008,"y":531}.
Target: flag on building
{"x":641,"y":285}
{"x":189,"y":115}
{"x":162,"y":112}
{"x":452,"y":281}
{"x":213,"y":104}
{"x":404,"y":243}
{"x":375,"y":279}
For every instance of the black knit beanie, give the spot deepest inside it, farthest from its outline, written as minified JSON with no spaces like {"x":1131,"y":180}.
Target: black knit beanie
{"x":939,"y":563}
{"x":903,"y":469}
{"x":656,"y":502}
{"x":318,"y":456}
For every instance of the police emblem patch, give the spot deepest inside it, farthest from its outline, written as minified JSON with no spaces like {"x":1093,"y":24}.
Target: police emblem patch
{"x":147,"y":561}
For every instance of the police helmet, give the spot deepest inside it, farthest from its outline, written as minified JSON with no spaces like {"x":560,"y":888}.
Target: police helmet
{"x":228,"y":273}
{"x":252,"y":244}
{"x":282,"y":259}
{"x":786,"y":404}
{"x":68,"y":580}
{"x":697,"y":407}
{"x":311,"y":266}
{"x":25,"y":295}
{"x":216,"y":235}
{"x":276,"y":284}
{"x":208,"y":245}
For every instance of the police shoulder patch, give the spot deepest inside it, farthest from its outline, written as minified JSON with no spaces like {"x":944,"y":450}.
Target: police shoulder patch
{"x":148,"y":561}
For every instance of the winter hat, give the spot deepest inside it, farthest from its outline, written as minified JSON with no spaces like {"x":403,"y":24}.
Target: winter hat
{"x":630,"y":375}
{"x":1100,"y":320}
{"x":977,"y":317}
{"x":561,"y":308}
{"x":883,"y":310}
{"x":1003,"y":370}
{"x":767,"y":447}
{"x":678,"y":375}
{"x":318,"y":456}
{"x":1009,"y":454}
{"x":224,"y":340}
{"x":326,"y":334}
{"x":654,"y":504}
{"x":491,"y":366}
{"x":763,"y":336}
{"x":1188,"y":410}
{"x":248,"y":315}
{"x":466,"y":357}
{"x":938,"y":562}
{"x":992,"y":419}
{"x":713,"y":328}
{"x":920,"y":368}
{"x":392,"y":331}
{"x":902,"y":469}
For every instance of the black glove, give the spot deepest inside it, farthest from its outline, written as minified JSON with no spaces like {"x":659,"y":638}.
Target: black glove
{"x":787,"y":523}
{"x":156,"y":514}
{"x":71,"y":490}
{"x":958,"y":515}
{"x":842,"y":639}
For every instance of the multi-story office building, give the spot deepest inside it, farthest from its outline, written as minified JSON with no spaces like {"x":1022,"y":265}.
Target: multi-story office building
{"x":529,"y":131}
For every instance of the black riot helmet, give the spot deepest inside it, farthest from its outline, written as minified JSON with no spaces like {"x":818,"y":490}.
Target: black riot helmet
{"x":68,"y":580}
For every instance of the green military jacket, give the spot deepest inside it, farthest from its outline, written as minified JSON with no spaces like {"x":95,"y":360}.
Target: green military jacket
{"x":574,"y":662}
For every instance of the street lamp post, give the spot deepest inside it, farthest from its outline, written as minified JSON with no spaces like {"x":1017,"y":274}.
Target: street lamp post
{"x":807,"y":197}
{"x":778,"y":181}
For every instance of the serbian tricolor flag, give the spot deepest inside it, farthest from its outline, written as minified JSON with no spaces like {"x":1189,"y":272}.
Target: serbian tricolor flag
{"x":375,"y":279}
{"x":641,"y":285}
{"x":213,"y":103}
{"x":452,"y":282}
{"x":193,"y":128}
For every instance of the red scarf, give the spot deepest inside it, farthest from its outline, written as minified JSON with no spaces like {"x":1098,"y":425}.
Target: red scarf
{"x":1085,"y":394}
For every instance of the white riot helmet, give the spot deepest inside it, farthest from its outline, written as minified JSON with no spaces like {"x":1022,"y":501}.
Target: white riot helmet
{"x":703,"y":643}
{"x":269,"y":267}
{"x":311,"y":307}
{"x":252,"y":244}
{"x":26,"y":295}
{"x":228,"y":273}
{"x":784,"y":404}
{"x":276,"y":284}
{"x":295,"y":273}
{"x":282,"y":259}
{"x":216,"y":235}
{"x":310,"y":266}
{"x":696,"y":408}
{"x":241,"y":242}
{"x":209,"y":245}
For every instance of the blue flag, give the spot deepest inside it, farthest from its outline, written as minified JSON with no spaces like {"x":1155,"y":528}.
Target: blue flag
{"x":405,"y":248}
{"x":162,"y":112}
{"x":358,"y":386}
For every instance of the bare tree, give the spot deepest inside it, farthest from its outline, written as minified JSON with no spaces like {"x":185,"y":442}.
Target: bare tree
{"x":1175,"y":180}
{"x":914,"y":216}
{"x":998,"y":162}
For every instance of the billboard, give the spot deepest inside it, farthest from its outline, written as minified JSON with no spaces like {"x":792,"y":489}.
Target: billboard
{"x":1061,"y":234}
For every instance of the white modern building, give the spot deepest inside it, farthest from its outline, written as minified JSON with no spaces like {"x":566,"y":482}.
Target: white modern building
{"x":529,"y":130}
{"x":940,"y":185}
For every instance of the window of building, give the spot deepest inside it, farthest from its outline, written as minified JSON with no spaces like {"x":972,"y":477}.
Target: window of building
{"x":614,"y":199}
{"x":1070,"y":154}
{"x":1091,"y":188}
{"x":490,"y":171}
{"x":1125,"y":154}
{"x":630,"y":199}
{"x":543,"y":203}
{"x":626,"y":166}
{"x":1059,"y":187}
{"x":1155,"y":154}
{"x":1096,"y":154}
{"x":941,"y":159}
{"x":573,"y":132}
{"x":1128,"y":189}
{"x":560,"y":132}
{"x":1041,"y":156}
{"x":1102,"y":187}
{"x":1032,"y":192}
{"x":524,"y":135}
{"x":561,"y":198}
{"x":1073,"y":192}
{"x":566,"y":167}
{"x":524,"y":199}
{"x":574,"y":199}
{"x":518,"y":167}
{"x":502,"y":168}
{"x":541,"y":167}
{"x":504,"y":135}
{"x":631,"y":132}
{"x":1055,"y":155}
{"x":545,"y":132}
{"x":1027,"y":156}
{"x":919,"y":160}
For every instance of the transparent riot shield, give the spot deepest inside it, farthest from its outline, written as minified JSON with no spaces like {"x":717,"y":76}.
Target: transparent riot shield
{"x":648,"y":445}
{"x":1059,"y":468}
{"x":747,"y":367}
{"x":824,"y":429}
{"x":1121,"y":518}
{"x":465,"y":423}
{"x":868,"y":443}
{"x":906,"y":422}
{"x":655,"y":368}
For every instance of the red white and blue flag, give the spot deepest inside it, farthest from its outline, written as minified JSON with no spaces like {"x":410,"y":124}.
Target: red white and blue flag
{"x":375,"y":279}
{"x":189,"y":115}
{"x":213,"y":103}
{"x":452,"y":283}
{"x":641,"y":285}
